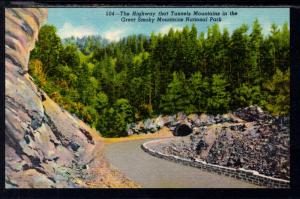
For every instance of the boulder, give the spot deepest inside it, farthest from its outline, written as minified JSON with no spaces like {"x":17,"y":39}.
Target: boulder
{"x":252,"y":113}
{"x":181,"y":116}
{"x":159,"y":121}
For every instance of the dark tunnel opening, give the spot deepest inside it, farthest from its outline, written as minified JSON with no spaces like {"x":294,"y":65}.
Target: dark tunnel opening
{"x":182,"y":130}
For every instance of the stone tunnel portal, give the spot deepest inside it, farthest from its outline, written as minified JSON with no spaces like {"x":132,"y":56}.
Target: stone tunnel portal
{"x":182,"y":130}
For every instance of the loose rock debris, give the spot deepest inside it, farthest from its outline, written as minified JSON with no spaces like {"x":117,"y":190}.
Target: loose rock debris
{"x":248,"y":138}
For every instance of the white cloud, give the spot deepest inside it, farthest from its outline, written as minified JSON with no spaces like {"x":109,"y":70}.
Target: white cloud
{"x":165,"y":29}
{"x":225,"y":24}
{"x":114,"y":35}
{"x":69,"y":30}
{"x":266,"y":27}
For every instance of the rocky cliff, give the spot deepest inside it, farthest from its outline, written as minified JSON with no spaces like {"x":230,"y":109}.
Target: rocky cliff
{"x":44,"y":145}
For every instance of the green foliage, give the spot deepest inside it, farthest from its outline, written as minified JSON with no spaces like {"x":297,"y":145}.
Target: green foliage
{"x":109,"y":85}
{"x":247,"y":95}
{"x":176,"y":99}
{"x":198,"y":90}
{"x":70,"y":56}
{"x":48,"y":49}
{"x":145,"y":111}
{"x":36,"y":70}
{"x":114,"y":121}
{"x":278,"y":95}
{"x":90,"y":115}
{"x":100,"y":101}
{"x":219,"y":98}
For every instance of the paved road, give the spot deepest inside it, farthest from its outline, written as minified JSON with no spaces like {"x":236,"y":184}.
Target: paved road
{"x":153,"y":172}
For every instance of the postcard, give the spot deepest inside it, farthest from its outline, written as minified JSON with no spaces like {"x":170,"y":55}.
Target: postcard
{"x":147,"y":97}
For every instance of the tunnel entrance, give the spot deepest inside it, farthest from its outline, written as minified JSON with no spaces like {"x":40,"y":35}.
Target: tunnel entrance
{"x":182,"y":130}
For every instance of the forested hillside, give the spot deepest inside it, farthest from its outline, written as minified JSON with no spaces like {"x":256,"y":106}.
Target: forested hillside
{"x":110,"y":85}
{"x":86,"y":44}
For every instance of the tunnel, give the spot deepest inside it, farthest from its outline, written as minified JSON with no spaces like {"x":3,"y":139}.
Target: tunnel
{"x":182,"y":130}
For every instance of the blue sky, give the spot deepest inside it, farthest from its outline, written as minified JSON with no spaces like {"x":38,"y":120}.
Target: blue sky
{"x":89,"y":21}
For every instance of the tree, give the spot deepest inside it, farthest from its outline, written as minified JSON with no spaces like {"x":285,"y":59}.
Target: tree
{"x":136,"y":91}
{"x":114,"y":121}
{"x":110,"y":84}
{"x":219,"y":98}
{"x":48,"y":49}
{"x":239,"y":56}
{"x":176,"y":98}
{"x":198,"y":92}
{"x":247,"y":95}
{"x":90,"y":115}
{"x":101,"y":101}
{"x":278,"y":93}
{"x":70,"y":56}
{"x":36,"y":69}
{"x":256,"y":38}
{"x":224,"y":54}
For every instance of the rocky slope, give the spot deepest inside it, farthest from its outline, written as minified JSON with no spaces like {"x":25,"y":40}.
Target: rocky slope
{"x":248,"y":139}
{"x":44,"y":145}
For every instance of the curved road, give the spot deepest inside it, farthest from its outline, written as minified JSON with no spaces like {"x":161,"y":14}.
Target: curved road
{"x":153,"y":172}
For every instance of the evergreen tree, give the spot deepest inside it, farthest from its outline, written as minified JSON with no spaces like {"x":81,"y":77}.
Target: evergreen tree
{"x":198,"y":92}
{"x":278,"y":93}
{"x":176,"y":98}
{"x":109,"y":85}
{"x":256,"y":38}
{"x":247,"y":95}
{"x":219,"y":97}
{"x":114,"y":120}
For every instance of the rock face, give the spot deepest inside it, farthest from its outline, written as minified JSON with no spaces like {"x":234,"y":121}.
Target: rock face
{"x":44,"y":145}
{"x":248,"y":139}
{"x":177,"y":121}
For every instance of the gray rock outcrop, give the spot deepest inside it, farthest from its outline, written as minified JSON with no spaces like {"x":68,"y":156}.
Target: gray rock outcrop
{"x":44,"y":145}
{"x":248,"y":139}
